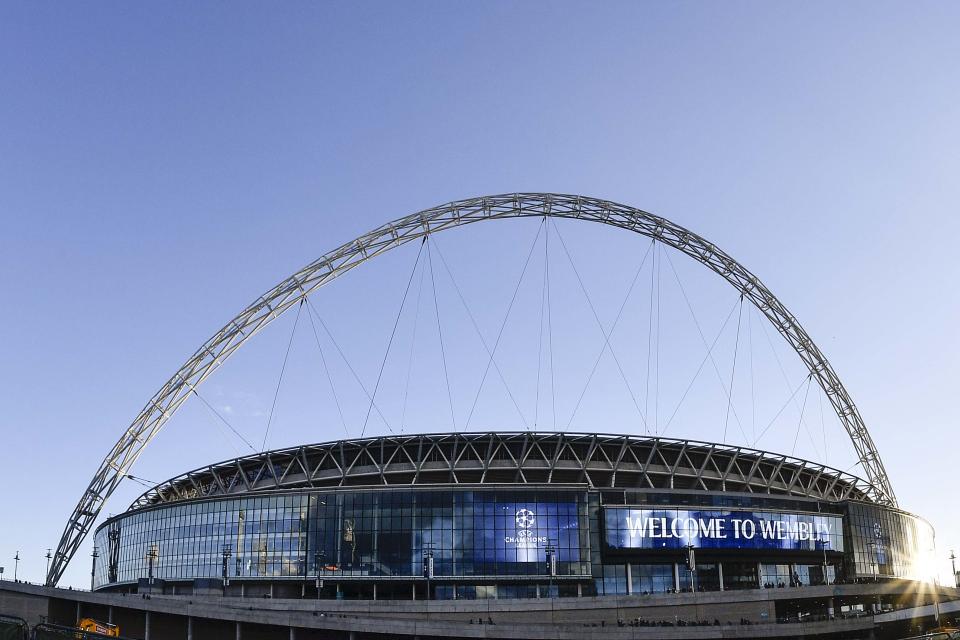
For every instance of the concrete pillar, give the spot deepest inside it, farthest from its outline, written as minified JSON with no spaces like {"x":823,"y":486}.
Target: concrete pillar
{"x":676,"y":577}
{"x":720,"y":574}
{"x":110,"y":614}
{"x":629,"y":580}
{"x":293,"y":634}
{"x":189,"y":627}
{"x":146,"y":625}
{"x":78,"y":611}
{"x":413,"y":590}
{"x":239,"y":632}
{"x":374,"y":590}
{"x":352,"y":636}
{"x":271,"y":590}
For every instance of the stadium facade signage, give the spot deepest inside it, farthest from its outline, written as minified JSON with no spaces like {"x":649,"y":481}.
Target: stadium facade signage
{"x":526,"y":536}
{"x":521,"y":531}
{"x":676,"y":528}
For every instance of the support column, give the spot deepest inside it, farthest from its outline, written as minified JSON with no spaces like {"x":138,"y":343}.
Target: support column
{"x":293,"y":634}
{"x":110,"y":614}
{"x":629,"y":580}
{"x":720,"y":574}
{"x":189,"y":627}
{"x":676,"y":577}
{"x":239,"y":632}
{"x":78,"y":611}
{"x":146,"y":625}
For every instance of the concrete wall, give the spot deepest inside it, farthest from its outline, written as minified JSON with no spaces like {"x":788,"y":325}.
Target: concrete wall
{"x":34,"y":608}
{"x":216,"y":618}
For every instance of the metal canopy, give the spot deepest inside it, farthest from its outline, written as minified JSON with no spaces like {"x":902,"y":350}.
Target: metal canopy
{"x":215,"y":351}
{"x":598,"y":461}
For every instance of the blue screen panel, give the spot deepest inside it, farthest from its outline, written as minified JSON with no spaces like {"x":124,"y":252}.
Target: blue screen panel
{"x":521,"y":531}
{"x":627,"y":528}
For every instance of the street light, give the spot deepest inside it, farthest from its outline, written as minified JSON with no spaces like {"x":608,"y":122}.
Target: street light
{"x":48,"y":556}
{"x":428,"y":567}
{"x":953,"y":567}
{"x":551,"y":552}
{"x":16,"y":565}
{"x":318,"y":561}
{"x":874,"y":562}
{"x":226,"y":562}
{"x":692,"y":567}
{"x":93,"y":570}
{"x":152,"y":555}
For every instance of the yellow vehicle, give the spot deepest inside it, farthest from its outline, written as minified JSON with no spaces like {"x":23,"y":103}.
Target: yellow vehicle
{"x":103,"y":628}
{"x":942,"y":633}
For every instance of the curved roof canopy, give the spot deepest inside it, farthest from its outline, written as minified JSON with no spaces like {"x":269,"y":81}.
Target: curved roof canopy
{"x":516,"y":458}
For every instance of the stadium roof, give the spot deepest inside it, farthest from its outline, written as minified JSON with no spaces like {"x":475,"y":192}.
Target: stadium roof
{"x":514,"y":458}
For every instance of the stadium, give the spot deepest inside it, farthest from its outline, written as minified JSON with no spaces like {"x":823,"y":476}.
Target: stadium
{"x":510,"y":534}
{"x":507,"y":515}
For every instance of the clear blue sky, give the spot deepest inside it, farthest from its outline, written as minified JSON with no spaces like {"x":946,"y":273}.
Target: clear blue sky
{"x":163,"y":164}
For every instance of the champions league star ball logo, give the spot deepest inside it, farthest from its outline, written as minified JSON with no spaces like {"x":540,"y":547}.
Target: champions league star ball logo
{"x":526,"y":537}
{"x":525,"y":518}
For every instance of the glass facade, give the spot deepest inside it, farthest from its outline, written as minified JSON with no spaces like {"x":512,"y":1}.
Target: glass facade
{"x":887,"y":543}
{"x":265,"y":537}
{"x":467,"y":533}
{"x":728,"y":575}
{"x":652,"y":578}
{"x":501,"y":543}
{"x":351,"y":534}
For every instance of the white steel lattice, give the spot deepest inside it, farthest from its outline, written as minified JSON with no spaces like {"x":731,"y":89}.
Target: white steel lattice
{"x":597,"y":461}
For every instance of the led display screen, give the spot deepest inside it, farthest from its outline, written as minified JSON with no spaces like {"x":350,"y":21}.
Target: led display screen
{"x":627,"y":528}
{"x":521,"y":530}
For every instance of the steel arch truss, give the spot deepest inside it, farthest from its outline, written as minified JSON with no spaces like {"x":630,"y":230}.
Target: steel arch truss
{"x":598,"y":461}
{"x":292,"y":290}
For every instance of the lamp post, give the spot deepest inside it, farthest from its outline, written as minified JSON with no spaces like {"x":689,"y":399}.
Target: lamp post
{"x":318,"y":562}
{"x":428,"y":567}
{"x":16,"y":565}
{"x":953,"y":567}
{"x":226,"y":552}
{"x":874,"y":564}
{"x":692,"y":567}
{"x":152,"y":555}
{"x":48,"y":556}
{"x":551,"y":552}
{"x":93,"y":569}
